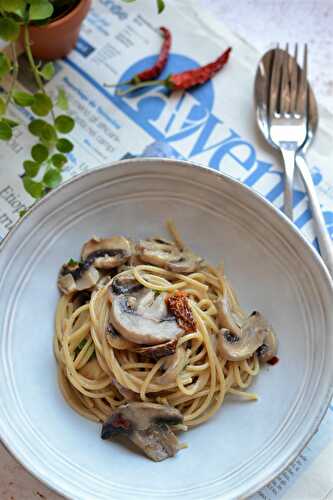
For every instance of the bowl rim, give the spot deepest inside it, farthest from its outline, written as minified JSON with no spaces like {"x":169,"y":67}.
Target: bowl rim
{"x":151,"y":162}
{"x":182,"y":164}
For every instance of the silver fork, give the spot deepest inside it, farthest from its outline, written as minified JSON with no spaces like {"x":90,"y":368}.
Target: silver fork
{"x":287,"y":114}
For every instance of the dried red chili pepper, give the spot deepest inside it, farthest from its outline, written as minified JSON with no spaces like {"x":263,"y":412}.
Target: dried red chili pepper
{"x":186,"y":79}
{"x":197,"y":76}
{"x":157,"y":68}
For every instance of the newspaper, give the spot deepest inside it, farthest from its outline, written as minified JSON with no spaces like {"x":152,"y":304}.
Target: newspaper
{"x":213,"y":125}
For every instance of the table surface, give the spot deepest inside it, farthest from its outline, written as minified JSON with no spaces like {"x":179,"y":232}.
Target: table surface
{"x":302,"y":21}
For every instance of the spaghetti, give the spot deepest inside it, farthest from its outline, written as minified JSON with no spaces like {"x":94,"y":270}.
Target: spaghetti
{"x":99,"y":369}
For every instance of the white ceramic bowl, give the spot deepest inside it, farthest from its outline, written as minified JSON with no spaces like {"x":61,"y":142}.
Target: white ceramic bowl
{"x":273,"y":270}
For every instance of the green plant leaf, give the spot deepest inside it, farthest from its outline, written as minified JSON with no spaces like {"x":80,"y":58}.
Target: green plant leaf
{"x":58,"y":160}
{"x":22,"y":212}
{"x":64,"y":124}
{"x":160,"y":6}
{"x":5,"y":131}
{"x":34,"y":188}
{"x":48,"y":71}
{"x":31,"y":168}
{"x":13,"y":5}
{"x":9,"y":29}
{"x":39,"y":153}
{"x":64,"y":146}
{"x":2,"y":106}
{"x":39,"y":10}
{"x":23,"y":98}
{"x":42,"y":104}
{"x":10,"y":122}
{"x":5,"y":64}
{"x":43,"y":130}
{"x":48,"y":134}
{"x":36,"y":126}
{"x":52,"y":178}
{"x":62,"y":101}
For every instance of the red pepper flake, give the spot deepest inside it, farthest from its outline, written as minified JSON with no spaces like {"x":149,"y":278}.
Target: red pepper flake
{"x":120,"y":421}
{"x":273,"y":360}
{"x":178,"y":305}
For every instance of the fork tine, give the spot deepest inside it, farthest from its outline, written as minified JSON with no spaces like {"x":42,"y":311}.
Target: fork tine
{"x":303,"y":85}
{"x":293,"y":71}
{"x":284,"y":91}
{"x":274,"y":84}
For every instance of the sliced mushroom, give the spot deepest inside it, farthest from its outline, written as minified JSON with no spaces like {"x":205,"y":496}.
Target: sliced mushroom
{"x":185,"y":264}
{"x":125,"y":392}
{"x":82,"y":297}
{"x":148,"y":426}
{"x":155,"y":352}
{"x":172,"y":366}
{"x":124,"y":283}
{"x":225,"y":317}
{"x":103,"y":281}
{"x":213,"y":339}
{"x":234,"y":347}
{"x":73,"y":278}
{"x":165,"y":253}
{"x":106,"y":253}
{"x":142,"y":317}
{"x":156,"y":251}
{"x":117,"y":341}
{"x":268,"y":349}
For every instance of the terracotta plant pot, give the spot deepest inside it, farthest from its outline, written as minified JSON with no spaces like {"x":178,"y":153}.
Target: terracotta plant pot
{"x":56,"y":39}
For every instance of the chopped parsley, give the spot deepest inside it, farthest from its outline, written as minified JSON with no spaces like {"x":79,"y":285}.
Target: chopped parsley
{"x":72,"y":262}
{"x":80,"y":347}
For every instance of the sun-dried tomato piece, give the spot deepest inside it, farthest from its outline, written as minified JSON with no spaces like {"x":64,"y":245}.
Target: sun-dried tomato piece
{"x":178,"y":305}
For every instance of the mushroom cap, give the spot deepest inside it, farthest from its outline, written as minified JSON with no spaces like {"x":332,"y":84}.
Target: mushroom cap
{"x":76,"y":278}
{"x":124,"y":391}
{"x":166,"y":254}
{"x":146,"y":425}
{"x":124,"y":283}
{"x":142,"y":415}
{"x":235,"y":347}
{"x":155,"y":352}
{"x":117,"y":341}
{"x":268,"y":349}
{"x":225,"y":317}
{"x":143,"y":318}
{"x":158,"y":442}
{"x":172,"y":365}
{"x":106,"y":253}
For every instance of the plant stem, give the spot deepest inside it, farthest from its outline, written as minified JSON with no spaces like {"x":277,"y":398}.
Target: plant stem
{"x":14,"y":75}
{"x":136,"y":86}
{"x":31,"y":59}
{"x":33,"y":67}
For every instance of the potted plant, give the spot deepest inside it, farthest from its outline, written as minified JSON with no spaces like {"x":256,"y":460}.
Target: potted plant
{"x":45,"y":29}
{"x":55,"y":35}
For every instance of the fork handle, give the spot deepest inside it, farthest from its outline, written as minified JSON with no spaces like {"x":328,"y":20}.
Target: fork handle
{"x":325,"y":243}
{"x":289,"y":156}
